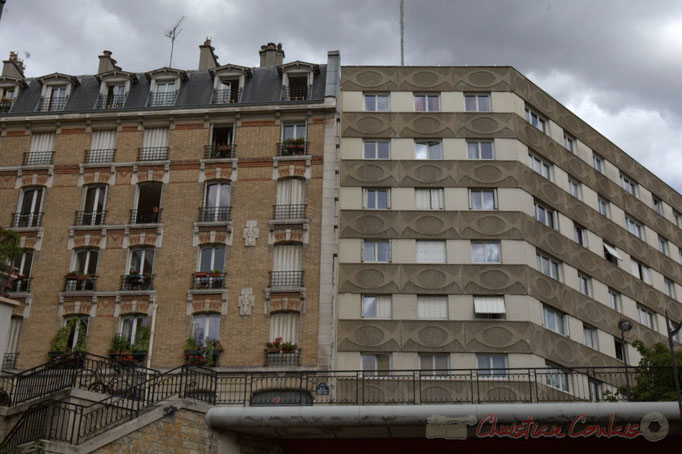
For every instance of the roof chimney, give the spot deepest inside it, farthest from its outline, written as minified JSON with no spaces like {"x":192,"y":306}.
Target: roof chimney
{"x":106,"y":63}
{"x":13,"y":67}
{"x":271,"y":55}
{"x":207,"y":59}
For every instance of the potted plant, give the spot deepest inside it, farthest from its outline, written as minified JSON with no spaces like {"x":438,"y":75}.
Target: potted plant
{"x":59,"y":346}
{"x":119,"y":346}
{"x":215,"y":273}
{"x":60,"y":341}
{"x":191,"y":346}
{"x":141,"y":343}
{"x":288,"y":347}
{"x":274,"y":346}
{"x":293,"y":146}
{"x":211,"y":350}
{"x":72,"y":274}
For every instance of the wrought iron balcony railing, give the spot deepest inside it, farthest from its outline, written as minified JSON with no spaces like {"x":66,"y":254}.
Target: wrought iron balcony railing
{"x":6,"y":105}
{"x":53,"y":103}
{"x":292,"y":148}
{"x":21,"y":285}
{"x":288,"y":211}
{"x":80,"y":283}
{"x":137,"y":282}
{"x":281,"y":358}
{"x":226,"y":96}
{"x":35,"y":158}
{"x":297,"y":93}
{"x":90,"y":217}
{"x":214,"y":214}
{"x":27,"y":219}
{"x":9,"y":361}
{"x":220,"y":151}
{"x":286,"y":279}
{"x":111,"y":101}
{"x":152,"y":216}
{"x":164,"y":99}
{"x":101,"y":155}
{"x":208,"y":280}
{"x":152,"y":153}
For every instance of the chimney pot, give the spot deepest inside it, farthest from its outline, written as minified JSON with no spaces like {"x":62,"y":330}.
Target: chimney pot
{"x":106,"y":63}
{"x":13,"y":66}
{"x":271,"y":54}
{"x":207,"y":58}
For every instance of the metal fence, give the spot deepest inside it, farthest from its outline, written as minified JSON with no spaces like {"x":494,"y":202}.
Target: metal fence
{"x":286,"y":278}
{"x":100,"y":155}
{"x":288,"y":211}
{"x":90,"y":217}
{"x":35,"y":158}
{"x":27,"y":219}
{"x":146,"y":216}
{"x":152,"y":153}
{"x":220,"y":151}
{"x":214,"y":214}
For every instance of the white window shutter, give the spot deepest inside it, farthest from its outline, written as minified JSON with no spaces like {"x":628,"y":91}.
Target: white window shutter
{"x":422,"y":199}
{"x":430,"y":251}
{"x":103,"y":140}
{"x":155,"y":137}
{"x":432,"y":307}
{"x":42,"y":142}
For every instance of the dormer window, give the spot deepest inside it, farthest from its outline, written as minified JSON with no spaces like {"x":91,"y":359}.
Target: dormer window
{"x":55,"y":92}
{"x":297,"y":80}
{"x":164,"y":95}
{"x":228,"y":83}
{"x":164,"y":87}
{"x":115,"y":85}
{"x":6,"y":98}
{"x":114,"y":98}
{"x":298,"y":88}
{"x":228,"y":92}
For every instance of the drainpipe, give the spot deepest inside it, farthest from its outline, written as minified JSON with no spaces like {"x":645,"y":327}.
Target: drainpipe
{"x":151,"y":336}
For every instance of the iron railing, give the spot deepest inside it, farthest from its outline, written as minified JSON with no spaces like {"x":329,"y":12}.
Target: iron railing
{"x":27,"y":219}
{"x":9,"y":361}
{"x":297,"y":93}
{"x":6,"y":105}
{"x":226,"y":96}
{"x":111,"y":101}
{"x":219,"y":151}
{"x":21,"y":284}
{"x":286,"y":278}
{"x":292,"y":148}
{"x":84,"y":283}
{"x":90,"y":217}
{"x":52,"y":103}
{"x":281,"y":358}
{"x":147,"y":216}
{"x":208,"y":280}
{"x":214,"y":214}
{"x":137,"y":282}
{"x":36,"y":158}
{"x":162,"y":99}
{"x":152,"y":154}
{"x":288,"y":211}
{"x":100,"y":155}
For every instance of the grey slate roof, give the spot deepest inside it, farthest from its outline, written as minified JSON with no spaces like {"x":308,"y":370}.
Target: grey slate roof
{"x":264,"y":87}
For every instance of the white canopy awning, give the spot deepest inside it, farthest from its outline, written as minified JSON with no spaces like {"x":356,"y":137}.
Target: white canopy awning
{"x":489,"y":305}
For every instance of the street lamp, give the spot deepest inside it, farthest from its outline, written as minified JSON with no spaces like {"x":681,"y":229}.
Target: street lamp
{"x":623,"y":326}
{"x":671,"y":333}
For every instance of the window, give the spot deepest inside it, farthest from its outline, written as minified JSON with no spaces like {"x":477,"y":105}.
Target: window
{"x":663,"y":245}
{"x":41,"y":150}
{"x":78,"y":332}
{"x":620,"y":349}
{"x":554,"y":320}
{"x":585,"y":284}
{"x":428,"y":150}
{"x":426,"y":103}
{"x":132,"y":329}
{"x":482,"y":199}
{"x":154,"y":145}
{"x":30,"y":204}
{"x":93,"y":205}
{"x":212,"y":258}
{"x":595,"y":390}
{"x":376,"y":306}
{"x":615,"y":300}
{"x":634,"y":227}
{"x":429,"y":199}
{"x":658,"y":205}
{"x":557,"y":377}
{"x":492,"y":365}
{"x":430,"y":251}
{"x":677,"y":337}
{"x":376,"y":364}
{"x":646,"y":317}
{"x":227,"y":91}
{"x":628,"y":184}
{"x":669,"y":287}
{"x":580,"y":235}
{"x":590,"y":336}
{"x":205,"y":327}
{"x":485,"y":252}
{"x":480,"y":150}
{"x":85,"y":262}
{"x":293,"y":131}
{"x":535,"y":119}
{"x":58,"y":98}
{"x":545,"y":215}
{"x":376,"y":198}
{"x":641,"y":271}
{"x":114,"y":98}
{"x":540,"y":165}
{"x":548,"y":265}
{"x":217,"y":201}
{"x":611,"y":254}
{"x":433,"y":364}
{"x":376,"y":149}
{"x":376,"y":251}
{"x":141,"y":261}
{"x":377,"y":103}
{"x":23,"y":264}
{"x":477,"y":103}
{"x":570,"y":142}
{"x":489,"y":307}
{"x":432,"y":307}
{"x":598,"y":162}
{"x":678,"y":218}
{"x":284,"y":325}
{"x":604,"y":207}
{"x":575,"y":188}
{"x":12,"y":342}
{"x":297,"y":88}
{"x":164,"y":94}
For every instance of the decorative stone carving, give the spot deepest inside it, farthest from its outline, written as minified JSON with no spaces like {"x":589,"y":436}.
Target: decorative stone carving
{"x":250,"y":233}
{"x":246,"y":300}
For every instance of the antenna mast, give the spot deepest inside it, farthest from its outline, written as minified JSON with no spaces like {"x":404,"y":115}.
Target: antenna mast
{"x":402,"y":32}
{"x":172,"y":34}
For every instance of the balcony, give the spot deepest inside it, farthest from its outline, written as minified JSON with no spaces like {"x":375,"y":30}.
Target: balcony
{"x":101,"y":155}
{"x":281,"y":358}
{"x":220,"y":151}
{"x":51,"y":104}
{"x":286,"y":279}
{"x":138,"y":282}
{"x":226,"y":96}
{"x":21,"y":285}
{"x":9,"y":361}
{"x":297,"y":93}
{"x":90,"y":218}
{"x":27,"y":220}
{"x":292,"y":147}
{"x":152,"y":154}
{"x":164,"y":99}
{"x":6,"y":105}
{"x":202,"y":280}
{"x":111,"y":101}
{"x":37,"y":158}
{"x":147,"y":216}
{"x":214,"y":214}
{"x":288,"y":211}
{"x":79,"y":283}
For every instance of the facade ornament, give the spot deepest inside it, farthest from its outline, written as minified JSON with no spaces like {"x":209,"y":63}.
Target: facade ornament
{"x":250,"y":233}
{"x":246,"y":300}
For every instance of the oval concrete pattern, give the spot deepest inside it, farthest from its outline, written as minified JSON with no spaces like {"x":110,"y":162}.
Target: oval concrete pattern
{"x":369,"y":278}
{"x":482,"y":78}
{"x":369,"y":78}
{"x":494,"y":279}
{"x":497,"y":337}
{"x":432,"y":336}
{"x":370,"y":224}
{"x":429,"y":225}
{"x":431,"y":279}
{"x":370,"y":125}
{"x":369,"y":336}
{"x":370,"y":173}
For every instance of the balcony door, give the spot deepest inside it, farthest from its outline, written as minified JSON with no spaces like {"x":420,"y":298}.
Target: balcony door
{"x":290,"y":199}
{"x":293,"y":131}
{"x":57,"y":97}
{"x":142,"y":261}
{"x":217,"y":201}
{"x":148,"y":203}
{"x":212,"y":259}
{"x":93,"y":208}
{"x":23,"y":264}
{"x":29,"y":207}
{"x":86,"y":262}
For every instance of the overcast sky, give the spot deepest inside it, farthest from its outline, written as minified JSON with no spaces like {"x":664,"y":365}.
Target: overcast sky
{"x":615,"y":63}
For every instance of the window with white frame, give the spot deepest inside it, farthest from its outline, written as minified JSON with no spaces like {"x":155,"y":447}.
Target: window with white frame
{"x":548,"y":266}
{"x":217,"y":200}
{"x":482,"y":199}
{"x":85,"y":262}
{"x":23,"y":263}
{"x":433,"y":364}
{"x":678,"y":218}
{"x":657,"y":205}
{"x":554,"y":320}
{"x":615,"y":301}
{"x":646,"y":317}
{"x":594,"y":388}
{"x":427,"y":102}
{"x":539,"y":165}
{"x":94,"y":200}
{"x":287,"y":259}
{"x":431,"y":252}
{"x":290,"y":199}
{"x":489,"y":307}
{"x":376,"y":198}
{"x":430,"y":307}
{"x":669,"y":287}
{"x":41,"y":150}
{"x":598,"y":162}
{"x":557,"y":377}
{"x":585,"y":284}
{"x":285,"y":325}
{"x":628,"y":184}
{"x":570,"y":142}
{"x":376,"y":149}
{"x":641,"y":271}
{"x":575,"y":188}
{"x":164,"y":94}
{"x":57,"y":97}
{"x":30,"y":204}
{"x":634,"y":227}
{"x":663,"y":245}
{"x":604,"y":207}
{"x":376,"y":306}
{"x":376,"y":251}
{"x":580,"y":234}
{"x":611,"y":254}
{"x":621,"y":352}
{"x":13,"y":337}
{"x":429,"y":199}
{"x":211,"y":259}
{"x":485,"y":252}
{"x":545,"y":215}
{"x":590,"y":336}
{"x":78,"y":332}
{"x":132,"y":328}
{"x":492,"y":365}
{"x":376,"y":363}
{"x":141,"y":261}
{"x":480,"y":149}
{"x":205,"y":327}
{"x":477,"y":102}
{"x":535,"y":119}
{"x":293,"y":131}
{"x":377,"y":102}
{"x":428,"y":150}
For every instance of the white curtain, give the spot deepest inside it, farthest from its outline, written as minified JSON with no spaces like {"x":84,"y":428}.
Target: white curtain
{"x":287,"y":258}
{"x":284,"y":325}
{"x":155,"y":137}
{"x":430,"y":251}
{"x":489,"y":305}
{"x":103,"y":140}
{"x":290,"y":192}
{"x":432,"y":307}
{"x":42,"y":142}
{"x":14,"y":330}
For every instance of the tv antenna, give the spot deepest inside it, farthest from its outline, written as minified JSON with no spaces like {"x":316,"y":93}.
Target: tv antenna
{"x":402,"y":32}
{"x":172,"y":34}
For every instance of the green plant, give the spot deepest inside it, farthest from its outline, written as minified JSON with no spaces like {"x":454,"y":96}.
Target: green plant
{"x":654,"y":380}
{"x":191,"y":344}
{"x":294,"y":141}
{"x":210,"y":351}
{"x":9,"y":246}
{"x":141,"y":339}
{"x":119,"y":344}
{"x":60,"y":341}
